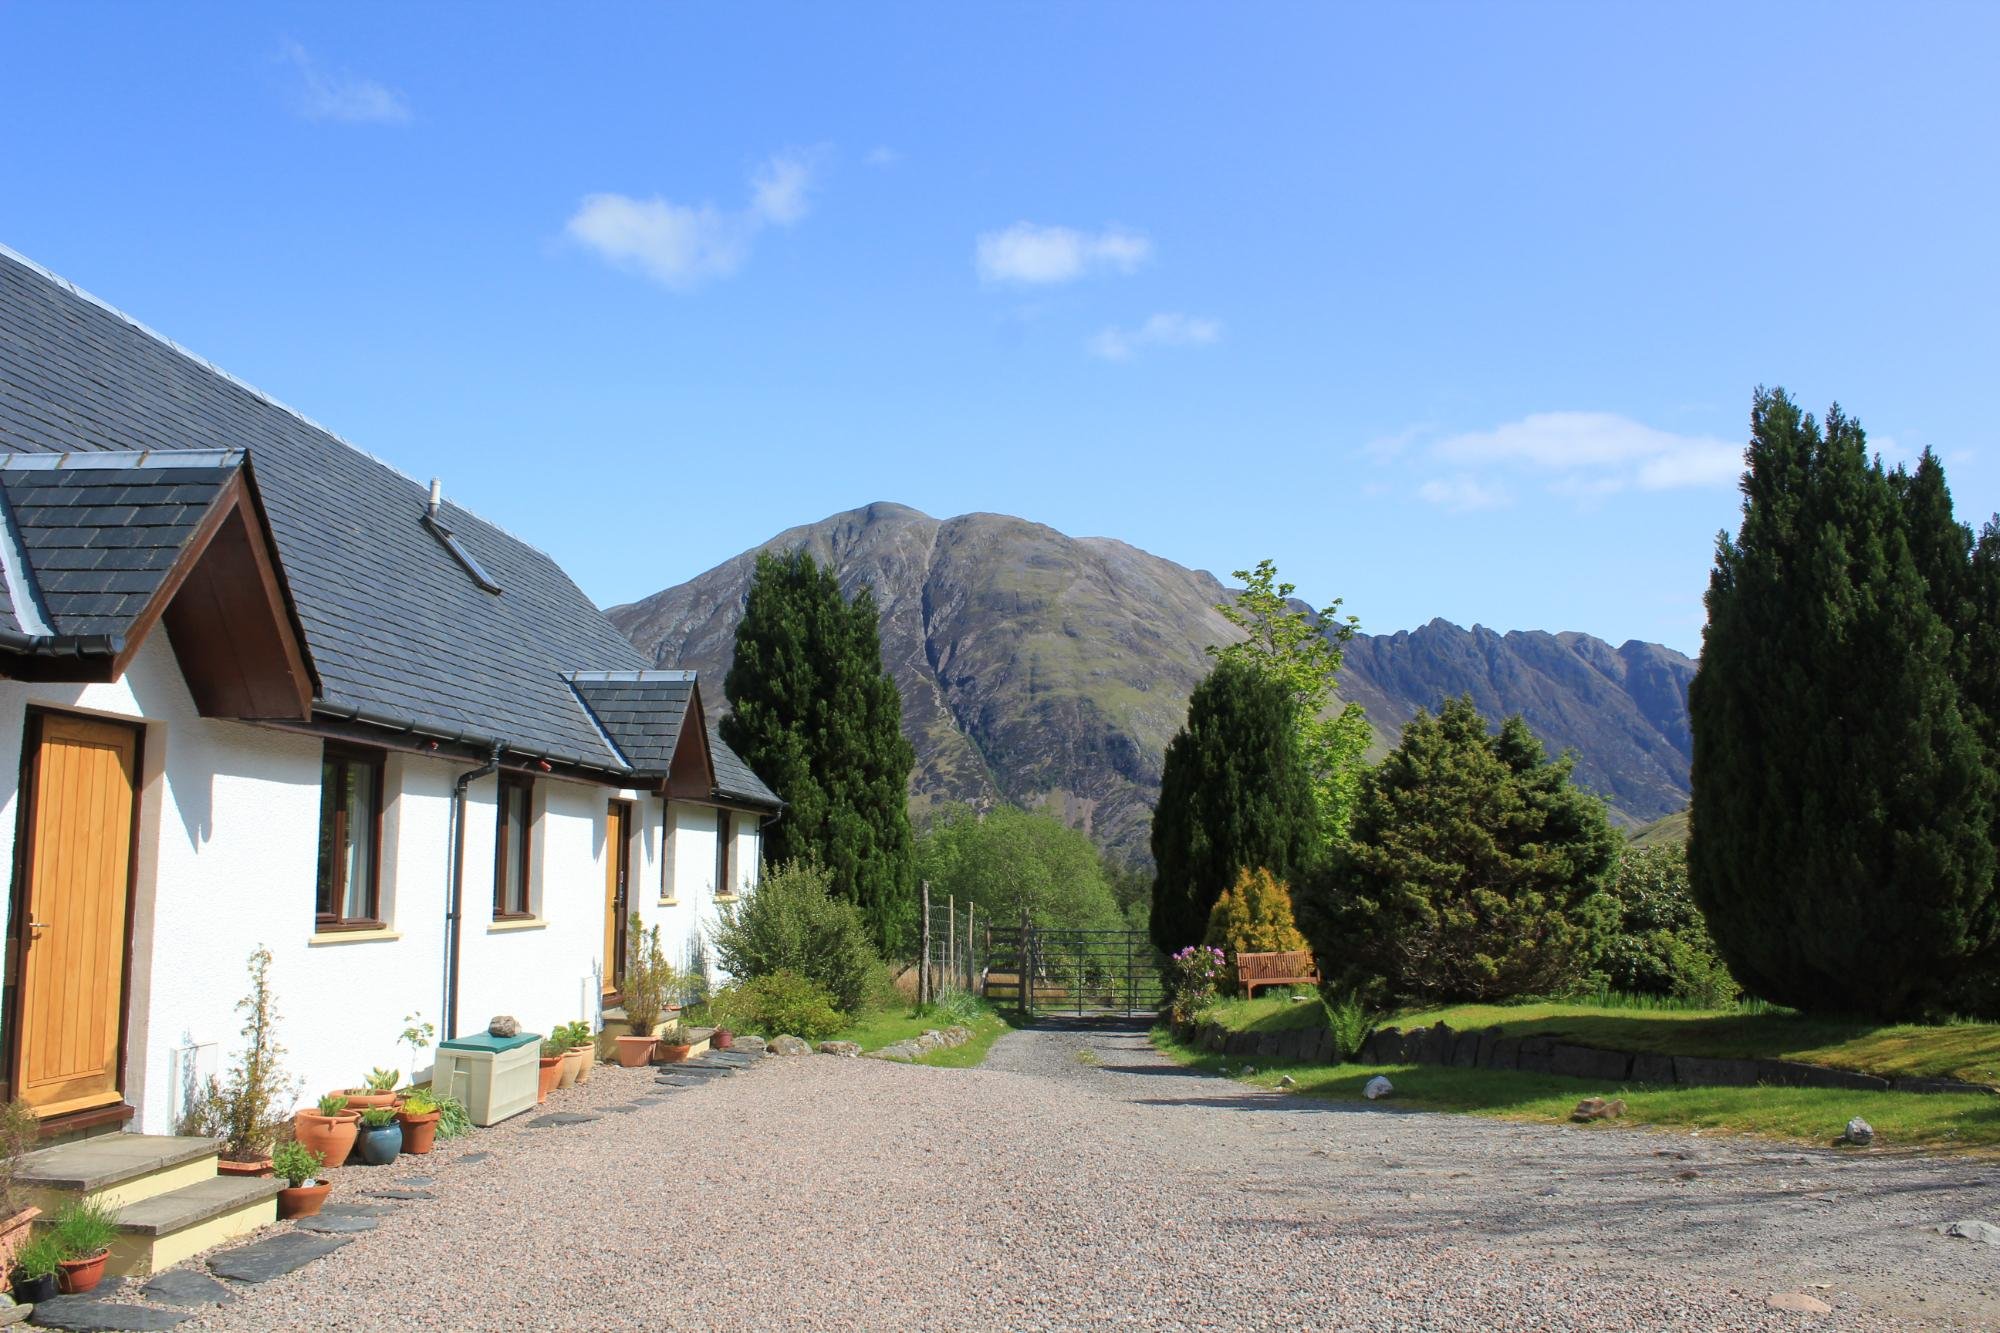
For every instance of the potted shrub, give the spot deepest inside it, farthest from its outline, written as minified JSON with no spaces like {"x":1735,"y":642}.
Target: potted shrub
{"x":242,"y":1110}
{"x":552,"y":1063}
{"x":674,"y":1043}
{"x":582,"y":1048}
{"x":305,"y":1192}
{"x":381,"y":1138}
{"x":329,"y":1131}
{"x":572,"y":1058}
{"x":34,"y":1271}
{"x":377,"y":1089}
{"x":419,"y":1118}
{"x":84,"y":1230}
{"x":722,"y":1039}
{"x":649,"y":979}
{"x":20,"y":1133}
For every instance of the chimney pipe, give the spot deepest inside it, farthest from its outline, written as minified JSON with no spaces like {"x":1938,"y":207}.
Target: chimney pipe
{"x":437,"y":496}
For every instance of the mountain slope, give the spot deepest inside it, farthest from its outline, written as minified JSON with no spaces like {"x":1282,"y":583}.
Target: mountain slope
{"x":1049,"y":670}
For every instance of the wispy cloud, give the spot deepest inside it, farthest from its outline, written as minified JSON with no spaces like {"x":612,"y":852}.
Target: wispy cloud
{"x":684,"y":245}
{"x":1599,"y":450}
{"x":324,"y":94}
{"x":1031,"y":254}
{"x":1167,"y":329}
{"x":1463,"y":493}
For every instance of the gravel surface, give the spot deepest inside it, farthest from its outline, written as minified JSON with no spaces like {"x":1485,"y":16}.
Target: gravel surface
{"x":1078,"y":1179}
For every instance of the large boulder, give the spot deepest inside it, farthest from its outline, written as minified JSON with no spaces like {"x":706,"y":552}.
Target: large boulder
{"x":850,"y":1049}
{"x":789,"y":1045}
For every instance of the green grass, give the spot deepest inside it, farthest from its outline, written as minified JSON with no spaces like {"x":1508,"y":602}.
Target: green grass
{"x":1270,"y":1012}
{"x":1968,"y":1121}
{"x":885,"y":1026}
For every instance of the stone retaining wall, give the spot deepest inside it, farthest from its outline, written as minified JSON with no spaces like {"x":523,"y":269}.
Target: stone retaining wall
{"x":1487,"y":1048}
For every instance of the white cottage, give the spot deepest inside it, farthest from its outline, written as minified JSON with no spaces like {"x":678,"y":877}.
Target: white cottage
{"x":259,"y":688}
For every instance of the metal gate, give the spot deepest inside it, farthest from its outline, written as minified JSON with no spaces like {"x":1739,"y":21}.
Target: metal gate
{"x":1051,"y":973}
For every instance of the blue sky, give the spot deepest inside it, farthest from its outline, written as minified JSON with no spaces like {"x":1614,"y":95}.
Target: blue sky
{"x":1454,"y":310}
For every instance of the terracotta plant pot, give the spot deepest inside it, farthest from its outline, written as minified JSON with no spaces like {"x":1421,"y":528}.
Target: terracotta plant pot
{"x":672,"y":1055}
{"x":572,"y":1061}
{"x":257,"y":1166}
{"x":360,"y":1099}
{"x":634,"y":1052}
{"x":419,"y":1131}
{"x":586,"y":1059}
{"x":552,"y":1066}
{"x":331,"y":1136}
{"x":13,"y":1234}
{"x":722,"y":1039}
{"x":302,"y":1200}
{"x":76,"y":1276}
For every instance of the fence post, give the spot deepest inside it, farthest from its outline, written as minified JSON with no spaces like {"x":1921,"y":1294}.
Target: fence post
{"x":948,"y":970}
{"x":924,"y":961}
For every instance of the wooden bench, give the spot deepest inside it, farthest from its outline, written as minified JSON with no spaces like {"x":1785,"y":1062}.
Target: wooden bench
{"x":1294,"y":967}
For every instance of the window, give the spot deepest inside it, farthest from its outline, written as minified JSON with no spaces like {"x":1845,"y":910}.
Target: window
{"x":668,"y":844}
{"x":723,"y":888}
{"x":510,"y":856}
{"x":350,"y":838}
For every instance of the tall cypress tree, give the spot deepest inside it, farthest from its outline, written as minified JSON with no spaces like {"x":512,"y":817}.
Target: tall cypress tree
{"x":1844,"y":806}
{"x":1235,"y":794}
{"x":818,"y":719}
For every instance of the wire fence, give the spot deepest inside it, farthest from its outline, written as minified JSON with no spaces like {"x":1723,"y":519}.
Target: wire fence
{"x":954,"y":948}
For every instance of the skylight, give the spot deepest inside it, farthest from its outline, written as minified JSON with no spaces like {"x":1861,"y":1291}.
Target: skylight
{"x":460,"y":554}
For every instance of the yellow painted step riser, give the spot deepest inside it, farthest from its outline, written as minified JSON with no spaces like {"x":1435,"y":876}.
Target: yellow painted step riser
{"x":129,"y":1191}
{"x":138,"y":1256}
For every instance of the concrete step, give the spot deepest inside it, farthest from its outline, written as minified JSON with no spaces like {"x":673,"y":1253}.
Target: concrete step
{"x":114,"y":1169}
{"x":160,"y":1231}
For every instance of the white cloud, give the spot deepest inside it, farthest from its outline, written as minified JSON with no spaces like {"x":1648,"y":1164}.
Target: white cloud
{"x":1167,"y":329}
{"x":1387,"y":448}
{"x":684,"y":245}
{"x":1033,"y":254}
{"x":325,"y":95}
{"x":1463,"y":493}
{"x":1591,"y":448}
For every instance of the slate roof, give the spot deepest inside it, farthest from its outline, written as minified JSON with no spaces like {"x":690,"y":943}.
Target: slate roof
{"x":644,"y":712}
{"x":732,"y":776}
{"x":399,"y":634}
{"x":97,"y":539}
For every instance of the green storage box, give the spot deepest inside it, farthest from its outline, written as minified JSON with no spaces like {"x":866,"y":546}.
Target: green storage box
{"x":494,"y":1077}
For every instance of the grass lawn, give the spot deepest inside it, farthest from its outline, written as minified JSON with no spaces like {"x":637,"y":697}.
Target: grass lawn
{"x":1272,"y":1011}
{"x":876,"y":1028}
{"x":1942,"y":1120}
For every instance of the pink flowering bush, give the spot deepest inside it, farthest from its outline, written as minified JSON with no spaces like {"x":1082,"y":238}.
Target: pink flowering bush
{"x":1194,"y":975}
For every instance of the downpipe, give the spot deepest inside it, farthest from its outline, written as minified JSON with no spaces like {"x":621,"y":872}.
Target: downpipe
{"x":454,"y":897}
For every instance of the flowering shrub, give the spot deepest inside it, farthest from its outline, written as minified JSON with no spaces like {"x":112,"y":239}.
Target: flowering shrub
{"x":1192,"y":979}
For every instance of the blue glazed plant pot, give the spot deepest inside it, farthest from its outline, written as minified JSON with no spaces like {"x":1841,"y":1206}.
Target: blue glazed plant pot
{"x":379,"y":1144}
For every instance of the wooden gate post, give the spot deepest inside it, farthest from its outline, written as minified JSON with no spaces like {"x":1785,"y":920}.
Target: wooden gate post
{"x":924,"y":963}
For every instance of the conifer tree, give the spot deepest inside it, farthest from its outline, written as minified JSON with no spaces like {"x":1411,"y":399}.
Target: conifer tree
{"x":818,"y":719}
{"x":1234,"y":794}
{"x":1843,"y":823}
{"x":1254,"y":915}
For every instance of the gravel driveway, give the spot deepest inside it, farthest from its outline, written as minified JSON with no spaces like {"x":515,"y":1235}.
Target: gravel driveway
{"x":1078,"y":1179}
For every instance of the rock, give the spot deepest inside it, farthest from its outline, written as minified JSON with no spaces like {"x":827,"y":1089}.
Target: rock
{"x":1248,"y":1070}
{"x":1797,"y":1302}
{"x":900,"y":1050}
{"x":748,"y":1045}
{"x":471,"y":1159}
{"x":1288,"y":1082}
{"x":1859,"y":1132}
{"x":1596,"y":1108}
{"x":405,"y":1193}
{"x":850,"y":1049}
{"x":789,"y":1045}
{"x":1299,"y":999}
{"x":1968,"y":1229}
{"x":84,"y":1313}
{"x":336,"y":1224}
{"x":957,"y":1035}
{"x":274,"y":1256}
{"x":11,"y":1314}
{"x":504,"y":1025}
{"x":1376,"y":1088}
{"x":553,"y":1120}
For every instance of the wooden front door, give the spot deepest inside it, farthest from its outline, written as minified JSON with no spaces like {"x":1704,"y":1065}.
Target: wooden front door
{"x":617,"y":875}
{"x":70,"y":912}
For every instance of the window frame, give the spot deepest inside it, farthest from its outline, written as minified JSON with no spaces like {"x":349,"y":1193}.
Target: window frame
{"x":332,"y":889}
{"x":503,"y":910}
{"x":725,"y":838}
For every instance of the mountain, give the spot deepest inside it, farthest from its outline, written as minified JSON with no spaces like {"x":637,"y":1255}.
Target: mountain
{"x":1051,"y":671}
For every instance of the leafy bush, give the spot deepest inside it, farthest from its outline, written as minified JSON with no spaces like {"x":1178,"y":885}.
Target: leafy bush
{"x":1349,"y":1021}
{"x":296,"y":1164}
{"x":780,"y":1002}
{"x":1660,"y":944}
{"x":1254,"y":916}
{"x":954,"y":1006}
{"x":1008,"y":863}
{"x":649,"y":981}
{"x":1193,"y":977}
{"x":794,"y":923}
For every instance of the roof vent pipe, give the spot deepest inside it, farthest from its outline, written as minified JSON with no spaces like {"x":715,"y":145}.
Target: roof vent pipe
{"x":437,"y":496}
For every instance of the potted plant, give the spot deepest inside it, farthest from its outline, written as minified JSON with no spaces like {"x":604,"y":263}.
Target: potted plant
{"x":582,"y":1047}
{"x":572,"y":1058}
{"x":381,"y":1137}
{"x":419,"y":1118}
{"x":34,"y":1271}
{"x":84,"y":1230}
{"x":20,"y":1133}
{"x":722,"y":1039}
{"x":305,"y":1192}
{"x":418,"y":1034}
{"x":243,"y":1109}
{"x":329,"y":1131}
{"x":674,"y":1043}
{"x":552,"y":1063}
{"x":649,"y":979}
{"x":377,"y":1089}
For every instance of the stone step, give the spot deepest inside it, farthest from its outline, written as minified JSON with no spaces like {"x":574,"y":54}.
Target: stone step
{"x":114,"y":1169}
{"x":162,"y":1230}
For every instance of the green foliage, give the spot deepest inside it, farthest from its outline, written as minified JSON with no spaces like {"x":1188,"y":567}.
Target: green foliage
{"x":1008,"y":862}
{"x":1659,"y":943}
{"x":39,"y":1255}
{"x":781,"y":1002}
{"x":84,"y":1228}
{"x":954,"y":1006}
{"x":1254,"y":915}
{"x":296,"y":1164}
{"x":649,"y":981}
{"x":1233,"y":793}
{"x":1350,"y":1022}
{"x":453,"y":1120}
{"x":819,"y":720}
{"x":1194,"y":976}
{"x":20,"y":1133}
{"x":418,"y":1034}
{"x":1302,"y":651}
{"x":419,"y":1103}
{"x":333,"y":1103}
{"x":381,"y":1080}
{"x":794,"y":922}
{"x":243,"y":1109}
{"x":377,"y":1116}
{"x":1474,"y":869}
{"x":1845,"y":720}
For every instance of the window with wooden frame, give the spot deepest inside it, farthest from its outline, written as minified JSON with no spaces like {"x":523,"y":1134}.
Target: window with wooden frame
{"x":669,"y":844}
{"x":350,"y":839}
{"x":510,"y":856}
{"x":723,"y":828}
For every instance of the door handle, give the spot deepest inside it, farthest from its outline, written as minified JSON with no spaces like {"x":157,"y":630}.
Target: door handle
{"x":38,"y":927}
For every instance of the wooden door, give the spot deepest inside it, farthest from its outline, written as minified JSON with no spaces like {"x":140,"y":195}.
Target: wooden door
{"x":71,"y":913}
{"x":617,"y":876}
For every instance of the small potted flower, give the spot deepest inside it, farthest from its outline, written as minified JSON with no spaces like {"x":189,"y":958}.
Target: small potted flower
{"x":419,"y":1118}
{"x":675,"y":1043}
{"x":378,"y":1089}
{"x":381,"y":1137}
{"x":34,"y":1270}
{"x":305,"y":1192}
{"x":552,"y":1067}
{"x":329,"y":1131}
{"x":84,"y":1230}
